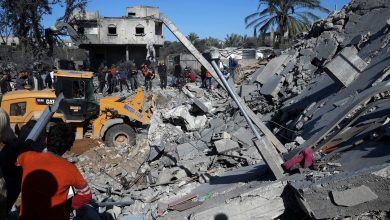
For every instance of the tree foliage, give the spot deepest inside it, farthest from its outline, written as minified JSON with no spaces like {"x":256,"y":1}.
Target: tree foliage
{"x":175,"y":47}
{"x":23,"y":19}
{"x":193,"y":37}
{"x":287,"y":16}
{"x":233,"y":40}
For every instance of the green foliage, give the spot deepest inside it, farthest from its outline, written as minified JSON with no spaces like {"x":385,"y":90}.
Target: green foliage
{"x":193,"y":37}
{"x":23,"y":19}
{"x":172,"y":47}
{"x":287,"y":16}
{"x":233,"y":40}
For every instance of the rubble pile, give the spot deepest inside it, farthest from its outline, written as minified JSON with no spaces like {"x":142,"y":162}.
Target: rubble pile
{"x":328,"y":92}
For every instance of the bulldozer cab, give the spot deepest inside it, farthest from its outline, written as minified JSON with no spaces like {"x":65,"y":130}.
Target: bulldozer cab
{"x":79,"y":102}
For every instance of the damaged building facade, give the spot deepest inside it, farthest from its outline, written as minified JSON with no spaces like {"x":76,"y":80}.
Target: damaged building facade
{"x":111,"y":40}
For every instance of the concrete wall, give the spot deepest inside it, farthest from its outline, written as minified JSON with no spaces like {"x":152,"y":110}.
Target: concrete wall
{"x":142,"y":11}
{"x":96,"y":29}
{"x":126,"y":31}
{"x":189,"y":60}
{"x":185,"y":60}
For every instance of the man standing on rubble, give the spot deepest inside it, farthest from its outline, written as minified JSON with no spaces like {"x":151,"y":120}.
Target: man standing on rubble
{"x":47,"y":178}
{"x":176,"y":74}
{"x":162,"y":71}
{"x":102,"y":78}
{"x":133,"y":77}
{"x":149,"y":76}
{"x":233,"y":64}
{"x":114,"y":80}
{"x":123,"y":79}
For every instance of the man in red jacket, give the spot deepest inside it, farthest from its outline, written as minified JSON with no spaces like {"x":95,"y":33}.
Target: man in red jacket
{"x":47,"y":178}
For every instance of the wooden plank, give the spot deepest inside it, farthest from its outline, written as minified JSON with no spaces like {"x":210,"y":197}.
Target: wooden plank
{"x":270,"y":156}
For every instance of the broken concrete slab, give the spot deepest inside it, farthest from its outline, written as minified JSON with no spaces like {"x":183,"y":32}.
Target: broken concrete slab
{"x":244,"y":136}
{"x":346,"y":66}
{"x":216,"y":122}
{"x":207,"y":134}
{"x":289,"y":67}
{"x":261,"y":203}
{"x":256,"y":74}
{"x":315,"y":195}
{"x":221,"y":135}
{"x":275,"y":66}
{"x":272,"y":86}
{"x":327,"y":46}
{"x":354,"y":196}
{"x":226,"y":145}
{"x":200,"y":105}
{"x":191,"y":122}
{"x":187,"y":151}
{"x":246,"y":90}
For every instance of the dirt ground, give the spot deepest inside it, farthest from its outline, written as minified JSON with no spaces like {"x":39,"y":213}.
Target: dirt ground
{"x":83,"y":145}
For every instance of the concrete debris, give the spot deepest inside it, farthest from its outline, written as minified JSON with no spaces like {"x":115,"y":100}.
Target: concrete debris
{"x":219,"y":136}
{"x":226,"y":145}
{"x":343,"y":194}
{"x":187,"y":151}
{"x":273,"y":67}
{"x":200,"y":105}
{"x":261,"y":203}
{"x":244,"y":136}
{"x":354,"y":196}
{"x":182,"y":114}
{"x":344,"y":69}
{"x":198,"y":158}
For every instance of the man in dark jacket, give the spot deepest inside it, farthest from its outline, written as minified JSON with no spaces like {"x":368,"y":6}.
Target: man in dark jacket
{"x":176,"y":74}
{"x":123,"y":79}
{"x":102,"y":78}
{"x":21,"y":80}
{"x":162,"y":71}
{"x":5,"y":85}
{"x":133,"y":77}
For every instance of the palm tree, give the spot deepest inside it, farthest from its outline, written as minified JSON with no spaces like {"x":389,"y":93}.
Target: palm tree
{"x":192,"y":37}
{"x":233,"y":40}
{"x":291,"y":16}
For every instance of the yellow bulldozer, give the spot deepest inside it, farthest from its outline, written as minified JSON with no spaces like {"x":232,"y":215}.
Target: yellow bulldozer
{"x":113,"y":119}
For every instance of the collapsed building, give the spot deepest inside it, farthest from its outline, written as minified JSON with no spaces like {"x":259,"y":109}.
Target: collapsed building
{"x":328,"y":93}
{"x":110,"y":40}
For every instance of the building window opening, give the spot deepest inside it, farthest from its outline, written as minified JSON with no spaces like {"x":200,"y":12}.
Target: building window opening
{"x":131,"y":14}
{"x":158,"y":28}
{"x":139,"y":30}
{"x":112,"y":29}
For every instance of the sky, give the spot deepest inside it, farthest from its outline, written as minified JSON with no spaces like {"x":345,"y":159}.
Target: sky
{"x":215,"y":18}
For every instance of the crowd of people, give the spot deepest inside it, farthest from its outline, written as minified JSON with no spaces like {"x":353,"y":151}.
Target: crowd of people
{"x":127,"y":78}
{"x":27,"y":79}
{"x":119,"y":78}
